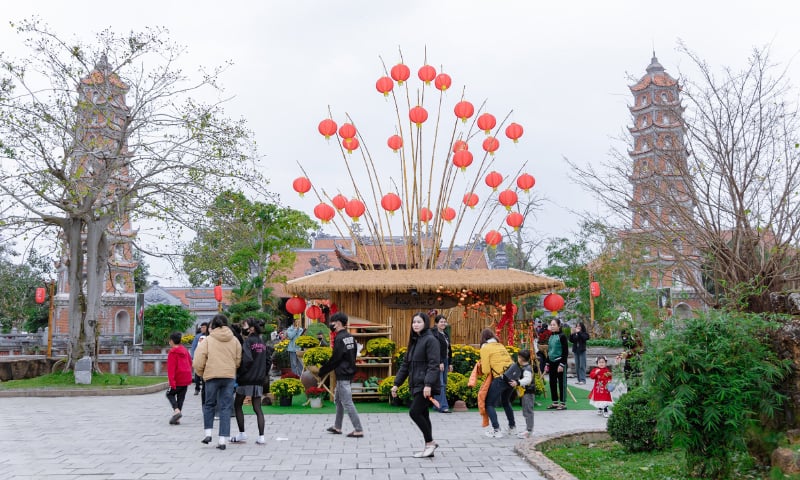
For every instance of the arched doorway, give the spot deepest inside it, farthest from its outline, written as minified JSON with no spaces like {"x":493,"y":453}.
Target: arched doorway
{"x":122,"y":322}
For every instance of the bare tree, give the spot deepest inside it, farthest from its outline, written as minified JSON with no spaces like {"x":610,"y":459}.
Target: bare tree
{"x":79,"y":161}
{"x":738,"y":218}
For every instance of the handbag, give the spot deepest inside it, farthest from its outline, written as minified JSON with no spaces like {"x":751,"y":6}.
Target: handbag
{"x":610,"y":386}
{"x":513,"y":372}
{"x":473,"y":377}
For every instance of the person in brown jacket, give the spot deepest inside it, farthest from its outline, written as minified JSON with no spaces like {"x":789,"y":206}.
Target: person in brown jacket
{"x":216,"y":360}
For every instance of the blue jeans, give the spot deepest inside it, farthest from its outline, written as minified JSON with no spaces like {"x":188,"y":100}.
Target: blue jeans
{"x":295,"y":363}
{"x":580,"y":365}
{"x":500,"y":391}
{"x":343,"y":398}
{"x":442,"y":397}
{"x":219,"y":391}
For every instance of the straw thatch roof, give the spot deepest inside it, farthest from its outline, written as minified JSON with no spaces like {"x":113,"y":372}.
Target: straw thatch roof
{"x":501,"y":281}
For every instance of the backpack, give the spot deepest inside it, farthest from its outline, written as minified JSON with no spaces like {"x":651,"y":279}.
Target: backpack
{"x":513,"y":372}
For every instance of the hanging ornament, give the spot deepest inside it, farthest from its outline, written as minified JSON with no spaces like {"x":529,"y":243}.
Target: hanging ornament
{"x":493,"y":238}
{"x":491,"y":144}
{"x":391,"y":203}
{"x":301,"y":185}
{"x":339,"y":201}
{"x":514,"y":131}
{"x":464,"y":110}
{"x":514,"y":220}
{"x":354,"y":209}
{"x":526,"y":182}
{"x":487,"y":122}
{"x":418,"y":115}
{"x":553,"y":302}
{"x":594,"y":289}
{"x":296,"y":306}
{"x":218,"y":293}
{"x":350,"y":144}
{"x":384,"y":85}
{"x":494,"y":179}
{"x":470,"y":200}
{"x":40,"y":295}
{"x":324,"y":212}
{"x":507,"y":198}
{"x":448,"y":214}
{"x":347,"y":130}
{"x":462,"y":159}
{"x":442,"y":81}
{"x":395,"y":142}
{"x":327,"y":127}
{"x":313,"y":312}
{"x":425,"y":215}
{"x":400,"y":73}
{"x":426,"y":73}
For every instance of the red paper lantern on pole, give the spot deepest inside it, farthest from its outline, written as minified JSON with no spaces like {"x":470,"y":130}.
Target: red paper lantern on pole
{"x":418,"y":115}
{"x":470,"y":200}
{"x":301,"y":185}
{"x":443,"y":81}
{"x":327,"y":127}
{"x":514,"y":220}
{"x":391,"y":202}
{"x":553,"y":302}
{"x":487,"y":122}
{"x":464,"y":110}
{"x":426,"y":73}
{"x":324,"y":212}
{"x":339,"y":201}
{"x":594,"y":289}
{"x":40,"y":295}
{"x":526,"y":182}
{"x":514,"y":131}
{"x":384,"y":85}
{"x":313,"y":312}
{"x":218,"y":293}
{"x":448,"y":214}
{"x":350,"y":144}
{"x":462,"y":159}
{"x":347,"y":130}
{"x":493,"y":238}
{"x":395,"y":142}
{"x":491,"y":145}
{"x":296,"y":306}
{"x":354,"y":209}
{"x":460,"y":145}
{"x":507,"y":198}
{"x":425,"y":214}
{"x":494,"y":179}
{"x":400,"y":73}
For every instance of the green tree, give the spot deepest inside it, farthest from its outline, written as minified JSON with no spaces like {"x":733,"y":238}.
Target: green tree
{"x":161,"y":320}
{"x":17,"y":306}
{"x":141,"y":272}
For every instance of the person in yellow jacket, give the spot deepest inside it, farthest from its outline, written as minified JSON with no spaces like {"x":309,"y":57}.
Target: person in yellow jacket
{"x":216,"y":360}
{"x":495,"y":359}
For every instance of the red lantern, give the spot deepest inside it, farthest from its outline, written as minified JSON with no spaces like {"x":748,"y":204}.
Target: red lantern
{"x":391,"y":202}
{"x":339,"y":201}
{"x":460,"y":145}
{"x":384,"y":85}
{"x":295,"y":306}
{"x":515,"y":220}
{"x":470,"y":200}
{"x":486,"y":122}
{"x":350,"y":144}
{"x":301,"y":185}
{"x":443,"y":81}
{"x":324,"y":212}
{"x":327,"y":127}
{"x":40,"y":295}
{"x":462,"y":159}
{"x":354,"y":209}
{"x":493,"y":238}
{"x":464,"y":110}
{"x":491,"y":145}
{"x":313,"y":312}
{"x":425,"y":215}
{"x":594,"y":289}
{"x":494,"y":179}
{"x":526,"y":182}
{"x":395,"y":142}
{"x":426,"y":73}
{"x":347,"y":130}
{"x":507,"y":198}
{"x":448,"y":214}
{"x":514,"y":131}
{"x":418,"y":115}
{"x":553,"y":302}
{"x":400,"y":73}
{"x":218,"y":293}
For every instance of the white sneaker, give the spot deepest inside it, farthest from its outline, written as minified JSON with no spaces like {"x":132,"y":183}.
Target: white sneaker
{"x":260,"y":440}
{"x":606,"y":414}
{"x":524,"y":434}
{"x":492,"y":433}
{"x":599,"y":411}
{"x":511,"y":431}
{"x":240,"y":437}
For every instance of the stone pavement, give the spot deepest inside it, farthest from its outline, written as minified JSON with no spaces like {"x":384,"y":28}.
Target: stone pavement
{"x":128,"y":437}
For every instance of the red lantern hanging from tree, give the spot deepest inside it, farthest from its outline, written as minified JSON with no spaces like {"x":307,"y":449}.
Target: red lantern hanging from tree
{"x":301,"y":185}
{"x":296,"y":306}
{"x":494,"y":179}
{"x":464,"y":110}
{"x":507,"y":198}
{"x":491,"y":144}
{"x":354,"y":209}
{"x":553,"y":302}
{"x":391,"y":202}
{"x":462,"y":159}
{"x":327,"y":127}
{"x":425,"y":215}
{"x":594,"y":289}
{"x":514,"y":131}
{"x":400,"y":73}
{"x":493,"y":238}
{"x":384,"y":85}
{"x":448,"y":214}
{"x":218,"y":293}
{"x":339,"y":201}
{"x":313,"y":312}
{"x":350,"y":144}
{"x":460,"y":145}
{"x":418,"y":115}
{"x":526,"y":182}
{"x":515,"y":220}
{"x":470,"y":200}
{"x":40,"y":295}
{"x":324,"y":212}
{"x":347,"y":130}
{"x":442,"y":81}
{"x":395,"y":142}
{"x":426,"y":73}
{"x":487,"y":122}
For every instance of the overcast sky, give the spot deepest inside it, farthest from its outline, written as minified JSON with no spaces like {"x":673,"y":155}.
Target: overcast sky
{"x":562,"y":67}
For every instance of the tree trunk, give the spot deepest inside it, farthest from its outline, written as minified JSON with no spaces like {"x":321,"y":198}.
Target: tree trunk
{"x":77,"y":300}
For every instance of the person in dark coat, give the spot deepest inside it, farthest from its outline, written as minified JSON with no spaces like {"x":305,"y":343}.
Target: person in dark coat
{"x":421,"y":367}
{"x":445,"y":358}
{"x":578,"y":338}
{"x":250,"y":377}
{"x":343,"y":362}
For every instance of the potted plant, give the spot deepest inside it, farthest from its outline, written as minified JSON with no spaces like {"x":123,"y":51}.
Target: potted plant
{"x":315,"y":357}
{"x":380,"y":347}
{"x":371,"y":384}
{"x":357,"y":382}
{"x":286,"y":388}
{"x":280,"y":357}
{"x":304,"y":342}
{"x":315,"y":396}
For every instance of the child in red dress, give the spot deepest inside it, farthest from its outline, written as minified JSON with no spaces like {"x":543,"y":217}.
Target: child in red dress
{"x":600,"y":397}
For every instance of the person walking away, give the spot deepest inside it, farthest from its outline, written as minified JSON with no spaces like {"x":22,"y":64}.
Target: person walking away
{"x":294,"y":331}
{"x":179,"y":375}
{"x":199,"y":336}
{"x":343,"y":362}
{"x":216,"y":360}
{"x":495,"y":360}
{"x":529,"y":391}
{"x":578,"y":338}
{"x":421,"y":365}
{"x":445,"y":359}
{"x":251,"y":377}
{"x":556,"y":368}
{"x":600,"y":397}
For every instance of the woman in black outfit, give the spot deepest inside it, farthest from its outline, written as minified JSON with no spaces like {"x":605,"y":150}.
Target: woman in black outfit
{"x":557,"y":353}
{"x":251,"y":376}
{"x":421,"y":367}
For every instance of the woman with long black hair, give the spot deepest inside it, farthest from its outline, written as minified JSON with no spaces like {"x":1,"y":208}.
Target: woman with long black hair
{"x":557,"y":353}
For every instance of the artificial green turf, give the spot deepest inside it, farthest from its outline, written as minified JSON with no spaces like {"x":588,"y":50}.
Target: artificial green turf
{"x":66,"y":380}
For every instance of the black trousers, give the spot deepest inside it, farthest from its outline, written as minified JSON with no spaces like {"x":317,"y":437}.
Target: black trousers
{"x":176,"y":397}
{"x":420,"y":414}
{"x":558,"y":382}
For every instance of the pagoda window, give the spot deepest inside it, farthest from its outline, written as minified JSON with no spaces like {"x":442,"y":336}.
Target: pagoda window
{"x":664,"y":96}
{"x":119,"y":251}
{"x":119,"y":282}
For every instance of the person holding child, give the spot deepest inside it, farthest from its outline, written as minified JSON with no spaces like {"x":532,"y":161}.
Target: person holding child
{"x":600,"y":397}
{"x":179,"y":374}
{"x":495,"y":360}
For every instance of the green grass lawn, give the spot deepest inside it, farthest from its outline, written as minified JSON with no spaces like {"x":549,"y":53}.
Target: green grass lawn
{"x":67,"y":380}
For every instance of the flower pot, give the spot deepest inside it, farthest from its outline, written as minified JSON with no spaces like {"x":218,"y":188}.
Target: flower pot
{"x":285,"y":401}
{"x":315,"y":402}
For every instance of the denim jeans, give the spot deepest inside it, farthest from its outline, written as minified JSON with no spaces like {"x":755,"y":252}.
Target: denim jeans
{"x":219,"y":391}
{"x":580,"y":365}
{"x":442,"y":397}
{"x":295,"y":363}
{"x":500,"y":391}
{"x":343,"y":398}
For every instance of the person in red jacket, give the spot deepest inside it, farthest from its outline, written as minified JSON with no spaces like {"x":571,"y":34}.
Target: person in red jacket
{"x":179,"y":374}
{"x":600,"y":397}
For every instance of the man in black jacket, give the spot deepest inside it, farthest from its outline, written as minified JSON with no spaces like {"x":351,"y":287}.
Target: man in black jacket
{"x":343,"y":362}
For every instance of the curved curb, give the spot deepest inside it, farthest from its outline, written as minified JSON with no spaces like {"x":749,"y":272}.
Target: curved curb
{"x":83,"y":392}
{"x":529,"y":450}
